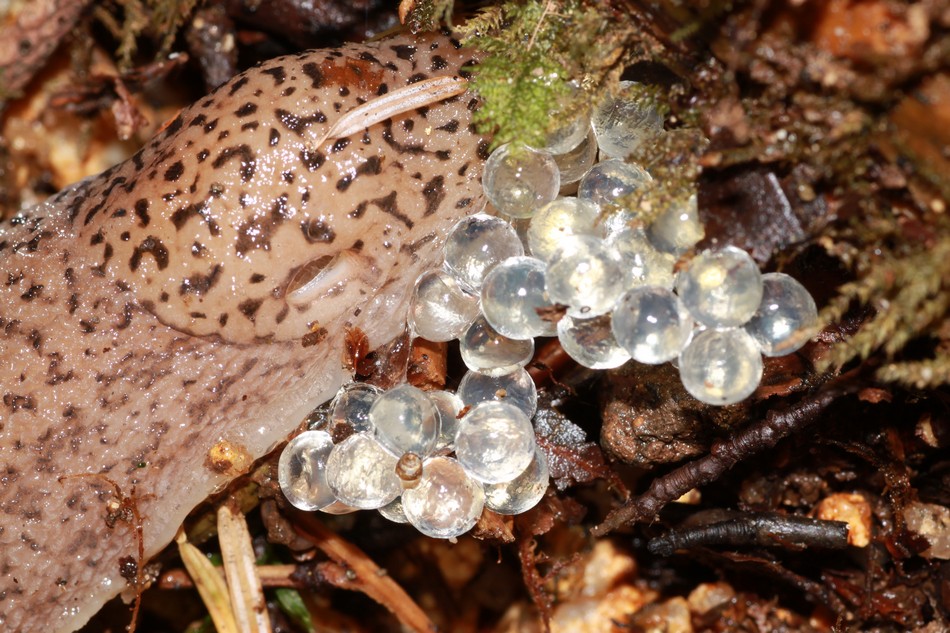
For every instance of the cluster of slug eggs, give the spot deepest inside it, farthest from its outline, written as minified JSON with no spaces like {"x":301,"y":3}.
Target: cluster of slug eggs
{"x":409,"y":455}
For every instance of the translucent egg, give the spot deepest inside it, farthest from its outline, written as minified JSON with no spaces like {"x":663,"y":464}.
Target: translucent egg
{"x":523,"y":492}
{"x":439,"y":310}
{"x":495,"y":442}
{"x":575,"y":163}
{"x":302,"y":472}
{"x":361,"y":473}
{"x":721,"y":289}
{"x":559,"y":221}
{"x":449,"y":405}
{"x":786,"y":317}
{"x":586,"y":275}
{"x":351,"y":406}
{"x":591,"y":342}
{"x":651,"y":324}
{"x":394,"y":512}
{"x":645,"y":265}
{"x":519,"y":180}
{"x":512,"y":294}
{"x":477,"y":244}
{"x":623,"y":122}
{"x":485,"y":350}
{"x":678,"y":228}
{"x":721,"y":366}
{"x":611,"y":179}
{"x":406,"y":421}
{"x":516,"y":389}
{"x":447,"y":502}
{"x":567,"y":136}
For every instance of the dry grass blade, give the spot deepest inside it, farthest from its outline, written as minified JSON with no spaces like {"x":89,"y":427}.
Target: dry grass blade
{"x":247,"y":595}
{"x":211,"y":586}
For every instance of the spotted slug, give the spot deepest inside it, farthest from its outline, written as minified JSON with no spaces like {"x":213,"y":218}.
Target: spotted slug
{"x":172,"y":319}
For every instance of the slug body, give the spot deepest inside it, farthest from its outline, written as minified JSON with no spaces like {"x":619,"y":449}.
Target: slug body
{"x":169,"y":321}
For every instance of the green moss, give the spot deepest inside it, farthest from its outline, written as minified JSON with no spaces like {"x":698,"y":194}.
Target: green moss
{"x":532,"y":50}
{"x":128,"y":20}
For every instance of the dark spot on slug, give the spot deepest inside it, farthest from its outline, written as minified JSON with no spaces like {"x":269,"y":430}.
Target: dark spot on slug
{"x":249,"y":308}
{"x":153,"y":246}
{"x":244,"y":153}
{"x":245,"y":110}
{"x":174,"y":171}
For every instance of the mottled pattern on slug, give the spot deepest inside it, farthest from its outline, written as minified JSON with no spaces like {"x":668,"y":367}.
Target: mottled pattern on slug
{"x":197,"y":294}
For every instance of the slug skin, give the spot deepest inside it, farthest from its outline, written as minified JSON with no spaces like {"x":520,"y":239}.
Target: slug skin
{"x":161,"y":310}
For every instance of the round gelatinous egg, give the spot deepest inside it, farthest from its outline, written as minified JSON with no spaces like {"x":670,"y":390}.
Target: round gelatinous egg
{"x":523,"y":492}
{"x":646,"y":266}
{"x":586,"y":275}
{"x":406,"y":421}
{"x":591,"y":342}
{"x":446,"y":503}
{"x":609,"y":180}
{"x":721,"y":288}
{"x":721,"y":366}
{"x":651,"y":324}
{"x":575,"y":163}
{"x":512,"y":294}
{"x":361,"y":473}
{"x":350,"y":406}
{"x":678,"y":228}
{"x":485,"y":350}
{"x":518,"y":180}
{"x":625,"y":121}
{"x":516,"y":389}
{"x":568,"y":136}
{"x":449,"y":405}
{"x":302,"y":472}
{"x":495,"y":442}
{"x":439,"y":310}
{"x":477,"y":244}
{"x":394,"y":512}
{"x":786,"y":317}
{"x":559,"y":221}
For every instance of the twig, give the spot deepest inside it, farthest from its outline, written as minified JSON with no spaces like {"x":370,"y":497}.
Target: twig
{"x":725,"y":454}
{"x":363,"y":574}
{"x":766,"y":529}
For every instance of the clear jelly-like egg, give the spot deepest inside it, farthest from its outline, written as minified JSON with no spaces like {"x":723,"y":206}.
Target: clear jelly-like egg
{"x":361,"y":473}
{"x":591,"y":342}
{"x":439,"y":310}
{"x":518,"y":180}
{"x":586,"y":275}
{"x":516,"y":389}
{"x":678,"y":228}
{"x":512,"y":294}
{"x":406,"y":421}
{"x":623,"y":122}
{"x":786,"y":317}
{"x":495,"y":442}
{"x":449,"y":405}
{"x":523,"y":492}
{"x":477,"y":244}
{"x":611,"y":179}
{"x":567,"y":136}
{"x":721,"y":288}
{"x":651,"y":324}
{"x":394,"y":512}
{"x":446,"y":503}
{"x":721,"y":366}
{"x":575,"y":163}
{"x":302,"y":472}
{"x":350,"y":406}
{"x":559,"y":221}
{"x":484,"y":350}
{"x":646,"y":266}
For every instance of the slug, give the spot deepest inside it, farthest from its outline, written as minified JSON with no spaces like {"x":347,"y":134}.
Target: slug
{"x":170,"y":320}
